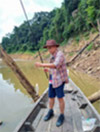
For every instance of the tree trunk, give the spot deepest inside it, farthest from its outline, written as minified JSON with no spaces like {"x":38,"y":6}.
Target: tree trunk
{"x":94,"y":97}
{"x":19,"y":74}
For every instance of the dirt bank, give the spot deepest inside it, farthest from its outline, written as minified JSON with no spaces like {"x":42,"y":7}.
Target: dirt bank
{"x":89,"y":61}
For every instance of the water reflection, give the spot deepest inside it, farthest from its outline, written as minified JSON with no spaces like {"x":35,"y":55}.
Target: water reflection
{"x":15,"y":102}
{"x":14,"y":105}
{"x":10,"y":78}
{"x":34,"y":75}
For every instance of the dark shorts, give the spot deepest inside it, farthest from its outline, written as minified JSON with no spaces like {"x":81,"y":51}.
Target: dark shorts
{"x":53,"y":92}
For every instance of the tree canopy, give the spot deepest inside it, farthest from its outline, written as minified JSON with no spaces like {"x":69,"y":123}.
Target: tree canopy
{"x":74,"y":17}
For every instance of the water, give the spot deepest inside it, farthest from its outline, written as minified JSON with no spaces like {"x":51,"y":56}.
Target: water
{"x":15,"y":103}
{"x":87,"y":84}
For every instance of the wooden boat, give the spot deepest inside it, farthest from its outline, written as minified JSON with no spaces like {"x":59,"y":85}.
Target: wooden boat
{"x":77,"y":108}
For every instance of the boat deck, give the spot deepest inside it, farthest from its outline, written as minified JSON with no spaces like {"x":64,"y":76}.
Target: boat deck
{"x":72,"y":118}
{"x":77,"y":107}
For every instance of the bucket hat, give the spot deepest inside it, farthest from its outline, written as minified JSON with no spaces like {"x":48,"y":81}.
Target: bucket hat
{"x":51,"y":43}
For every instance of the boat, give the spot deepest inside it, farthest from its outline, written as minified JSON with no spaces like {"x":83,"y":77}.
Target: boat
{"x":80,"y":115}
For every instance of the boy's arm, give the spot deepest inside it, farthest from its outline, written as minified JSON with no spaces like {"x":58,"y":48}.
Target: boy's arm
{"x":45,"y":65}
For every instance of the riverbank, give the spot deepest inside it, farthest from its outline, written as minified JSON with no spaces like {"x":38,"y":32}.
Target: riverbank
{"x":88,"y":62}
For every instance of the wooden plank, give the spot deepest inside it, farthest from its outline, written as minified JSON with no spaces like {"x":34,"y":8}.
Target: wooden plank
{"x":81,"y":101}
{"x":76,"y":115}
{"x":43,"y":125}
{"x":97,"y":129}
{"x":38,"y":119}
{"x":68,"y":88}
{"x":54,"y":128}
{"x":86,"y":110}
{"x":91,"y":108}
{"x":68,"y":124}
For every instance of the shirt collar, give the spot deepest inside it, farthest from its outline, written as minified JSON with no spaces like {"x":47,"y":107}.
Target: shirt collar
{"x":54,"y":55}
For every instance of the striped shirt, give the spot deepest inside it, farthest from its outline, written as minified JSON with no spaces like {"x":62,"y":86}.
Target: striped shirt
{"x":59,"y":74}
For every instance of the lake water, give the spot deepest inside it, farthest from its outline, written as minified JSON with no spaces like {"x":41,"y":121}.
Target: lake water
{"x":15,"y":103}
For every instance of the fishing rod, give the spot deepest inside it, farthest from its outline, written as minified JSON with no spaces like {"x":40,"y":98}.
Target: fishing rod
{"x":22,"y":5}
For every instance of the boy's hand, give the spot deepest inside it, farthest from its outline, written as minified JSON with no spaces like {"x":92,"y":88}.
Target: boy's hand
{"x":38,"y":64}
{"x":67,"y":81}
{"x":46,"y":69}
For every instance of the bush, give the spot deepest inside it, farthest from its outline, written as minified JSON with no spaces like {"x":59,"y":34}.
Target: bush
{"x":93,"y":30}
{"x":9,"y":50}
{"x":23,"y":47}
{"x":86,"y":34}
{"x":77,"y":39}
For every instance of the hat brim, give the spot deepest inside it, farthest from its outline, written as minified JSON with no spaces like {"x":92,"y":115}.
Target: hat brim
{"x":57,"y":45}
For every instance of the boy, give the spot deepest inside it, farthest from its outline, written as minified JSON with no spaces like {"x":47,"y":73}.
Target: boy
{"x":57,"y":79}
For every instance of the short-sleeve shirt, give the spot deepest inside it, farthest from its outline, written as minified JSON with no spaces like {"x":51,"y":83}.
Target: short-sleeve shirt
{"x":59,"y":74}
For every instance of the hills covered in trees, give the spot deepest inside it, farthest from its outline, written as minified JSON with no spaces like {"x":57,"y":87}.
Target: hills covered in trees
{"x":73,"y":18}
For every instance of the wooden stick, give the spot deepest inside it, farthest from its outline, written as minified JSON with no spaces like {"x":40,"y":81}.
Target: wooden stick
{"x":80,"y":52}
{"x":19,"y":74}
{"x":94,"y":97}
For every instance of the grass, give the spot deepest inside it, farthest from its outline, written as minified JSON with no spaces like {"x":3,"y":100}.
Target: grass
{"x":26,"y":52}
{"x":64,"y":43}
{"x":90,"y":47}
{"x":71,"y":53}
{"x":93,"y":30}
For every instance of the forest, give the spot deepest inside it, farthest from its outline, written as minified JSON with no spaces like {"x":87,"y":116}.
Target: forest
{"x":73,"y":18}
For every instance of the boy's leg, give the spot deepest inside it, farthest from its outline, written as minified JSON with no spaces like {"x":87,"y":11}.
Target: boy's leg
{"x":61,"y":105}
{"x":62,"y":108}
{"x":60,"y":95}
{"x":51,"y":103}
{"x":51,"y":94}
{"x":50,"y":113}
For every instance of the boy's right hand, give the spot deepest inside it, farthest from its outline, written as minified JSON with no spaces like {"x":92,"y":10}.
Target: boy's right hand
{"x":46,"y":69}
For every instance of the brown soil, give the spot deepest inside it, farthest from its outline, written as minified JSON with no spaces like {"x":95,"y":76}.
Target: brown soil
{"x":89,"y":61}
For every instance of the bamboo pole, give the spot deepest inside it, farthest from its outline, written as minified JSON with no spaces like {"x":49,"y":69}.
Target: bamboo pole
{"x":80,"y":52}
{"x":94,"y":97}
{"x":41,"y":59}
{"x":19,"y":74}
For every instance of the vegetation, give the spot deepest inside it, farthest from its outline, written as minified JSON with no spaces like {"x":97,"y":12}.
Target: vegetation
{"x":90,"y":47}
{"x":72,"y":19}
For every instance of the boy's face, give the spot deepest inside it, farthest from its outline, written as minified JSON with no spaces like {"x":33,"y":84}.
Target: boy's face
{"x":52,"y":49}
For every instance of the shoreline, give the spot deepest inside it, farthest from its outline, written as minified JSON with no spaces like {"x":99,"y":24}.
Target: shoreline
{"x":76,"y":66}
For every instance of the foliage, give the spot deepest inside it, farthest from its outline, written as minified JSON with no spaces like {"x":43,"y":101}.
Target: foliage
{"x":90,"y":47}
{"x":77,"y":39}
{"x":59,"y":24}
{"x":71,"y":53}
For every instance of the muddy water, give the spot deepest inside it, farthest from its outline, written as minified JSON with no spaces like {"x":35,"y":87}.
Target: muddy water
{"x":87,"y":84}
{"x":15,"y":103}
